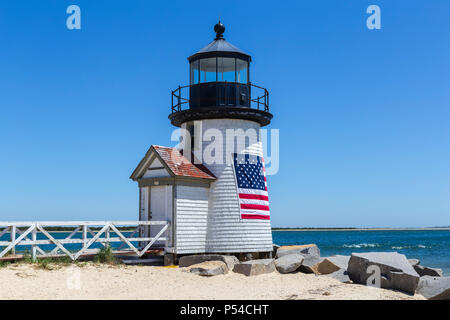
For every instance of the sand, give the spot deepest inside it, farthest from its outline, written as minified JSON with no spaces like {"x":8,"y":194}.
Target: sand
{"x":94,"y":281}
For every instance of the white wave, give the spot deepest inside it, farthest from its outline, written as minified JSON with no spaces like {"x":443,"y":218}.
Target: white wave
{"x":409,"y":247}
{"x":375,"y":245}
{"x":362,"y":245}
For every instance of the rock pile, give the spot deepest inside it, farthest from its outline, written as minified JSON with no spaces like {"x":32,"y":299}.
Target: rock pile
{"x":389,"y":270}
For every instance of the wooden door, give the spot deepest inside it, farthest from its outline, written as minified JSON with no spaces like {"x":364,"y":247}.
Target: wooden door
{"x":160,"y":207}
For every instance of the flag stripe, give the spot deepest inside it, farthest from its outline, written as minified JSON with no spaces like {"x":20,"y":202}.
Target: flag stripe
{"x":255,"y":216}
{"x":253,"y":196}
{"x":254,"y":206}
{"x":251,"y":201}
{"x":252,"y":191}
{"x":254,"y":211}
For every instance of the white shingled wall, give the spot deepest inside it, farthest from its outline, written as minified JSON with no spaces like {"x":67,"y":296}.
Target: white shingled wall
{"x":191,"y":219}
{"x":225,"y":230}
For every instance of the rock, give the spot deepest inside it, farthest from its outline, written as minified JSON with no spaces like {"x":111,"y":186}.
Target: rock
{"x":395,"y":270}
{"x":434,"y":288}
{"x":310,"y":264}
{"x":341,"y":275}
{"x":414,"y":262}
{"x":255,"y":267}
{"x":307,"y":249}
{"x":187,"y":261}
{"x":209,"y":268}
{"x":332,"y":264}
{"x":425,"y":271}
{"x":325,"y":266}
{"x":289,"y":263}
{"x":230,"y":261}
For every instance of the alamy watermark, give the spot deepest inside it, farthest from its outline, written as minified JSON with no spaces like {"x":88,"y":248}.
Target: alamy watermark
{"x":374,"y":280}
{"x":374,"y":20}
{"x":74,"y":20}
{"x":216,"y":146}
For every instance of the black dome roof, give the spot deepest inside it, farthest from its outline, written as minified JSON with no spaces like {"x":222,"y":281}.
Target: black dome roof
{"x":220,"y":47}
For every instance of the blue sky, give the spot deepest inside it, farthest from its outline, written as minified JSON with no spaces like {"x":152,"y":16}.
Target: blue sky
{"x":363,"y":114}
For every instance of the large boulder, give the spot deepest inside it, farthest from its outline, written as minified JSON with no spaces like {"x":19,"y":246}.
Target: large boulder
{"x":332,"y":264}
{"x":434,"y":288}
{"x":341,"y":275}
{"x":289,"y":263}
{"x":255,"y":267}
{"x":209,"y":268}
{"x":395,"y":270}
{"x":187,"y":261}
{"x":425,"y":271}
{"x":307,"y":249}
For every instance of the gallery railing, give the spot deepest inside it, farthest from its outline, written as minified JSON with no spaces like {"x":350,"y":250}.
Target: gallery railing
{"x":258,"y":97}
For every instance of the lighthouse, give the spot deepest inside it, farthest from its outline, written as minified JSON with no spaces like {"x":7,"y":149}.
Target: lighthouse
{"x":212,"y":187}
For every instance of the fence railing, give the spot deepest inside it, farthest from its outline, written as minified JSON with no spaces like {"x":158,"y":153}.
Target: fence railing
{"x":42,"y":236}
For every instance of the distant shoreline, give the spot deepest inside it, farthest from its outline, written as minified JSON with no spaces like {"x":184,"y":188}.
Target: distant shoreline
{"x":363,"y":229}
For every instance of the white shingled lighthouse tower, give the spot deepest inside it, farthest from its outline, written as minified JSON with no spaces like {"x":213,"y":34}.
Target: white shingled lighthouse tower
{"x":212,"y":188}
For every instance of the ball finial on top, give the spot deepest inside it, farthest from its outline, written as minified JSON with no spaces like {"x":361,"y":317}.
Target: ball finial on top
{"x":219,"y":29}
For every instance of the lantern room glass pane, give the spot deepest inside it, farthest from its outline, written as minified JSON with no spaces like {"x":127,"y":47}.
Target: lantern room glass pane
{"x":226,"y":69}
{"x":208,"y":70}
{"x":194,"y":72}
{"x":241,"y":71}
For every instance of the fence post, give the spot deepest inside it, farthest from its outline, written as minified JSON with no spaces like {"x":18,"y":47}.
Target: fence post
{"x":84,"y":235}
{"x":13,"y":238}
{"x":33,"y":239}
{"x":107,"y":236}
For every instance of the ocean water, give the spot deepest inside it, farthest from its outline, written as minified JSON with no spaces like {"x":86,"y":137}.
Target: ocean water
{"x":432,"y":247}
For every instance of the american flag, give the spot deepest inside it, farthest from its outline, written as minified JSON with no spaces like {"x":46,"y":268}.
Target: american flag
{"x":251,"y":183}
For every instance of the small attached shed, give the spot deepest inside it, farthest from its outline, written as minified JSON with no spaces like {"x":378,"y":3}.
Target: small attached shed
{"x":173,"y":189}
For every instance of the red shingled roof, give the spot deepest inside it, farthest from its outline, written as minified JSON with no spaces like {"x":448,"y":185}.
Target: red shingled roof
{"x":180,"y":165}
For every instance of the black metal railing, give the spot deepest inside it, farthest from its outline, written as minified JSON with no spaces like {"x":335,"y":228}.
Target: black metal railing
{"x":181,"y":96}
{"x":178,"y":100}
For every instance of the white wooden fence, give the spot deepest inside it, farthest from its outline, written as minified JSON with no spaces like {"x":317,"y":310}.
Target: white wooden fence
{"x":20,"y":233}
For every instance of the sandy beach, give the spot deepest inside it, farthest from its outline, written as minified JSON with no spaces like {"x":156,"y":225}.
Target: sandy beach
{"x":95,"y":281}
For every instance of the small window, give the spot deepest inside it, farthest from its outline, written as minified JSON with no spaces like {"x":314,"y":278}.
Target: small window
{"x":226,"y":69}
{"x":195,"y":72}
{"x":208,"y":70}
{"x":241,"y":71}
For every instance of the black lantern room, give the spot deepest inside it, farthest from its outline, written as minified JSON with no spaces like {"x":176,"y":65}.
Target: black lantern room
{"x":220,"y":86}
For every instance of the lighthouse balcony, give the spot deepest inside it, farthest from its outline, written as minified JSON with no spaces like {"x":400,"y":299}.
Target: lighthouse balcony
{"x":213,"y":100}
